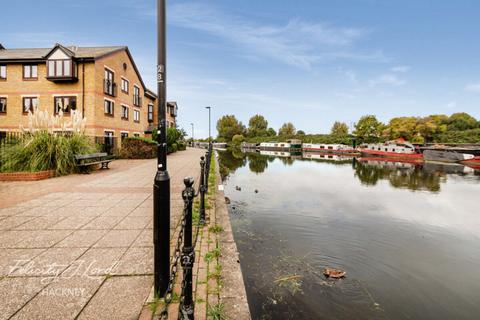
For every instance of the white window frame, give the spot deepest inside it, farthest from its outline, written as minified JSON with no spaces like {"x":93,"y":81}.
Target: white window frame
{"x":136,"y":115}
{"x":128,"y":111}
{"x":112,"y":105}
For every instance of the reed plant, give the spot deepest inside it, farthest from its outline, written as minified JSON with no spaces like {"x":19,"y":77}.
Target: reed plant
{"x":49,"y":143}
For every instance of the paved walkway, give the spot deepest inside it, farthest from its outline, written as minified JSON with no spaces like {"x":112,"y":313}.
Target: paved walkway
{"x":80,"y":246}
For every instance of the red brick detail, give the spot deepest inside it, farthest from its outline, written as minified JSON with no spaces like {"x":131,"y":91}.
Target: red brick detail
{"x":26,"y":176}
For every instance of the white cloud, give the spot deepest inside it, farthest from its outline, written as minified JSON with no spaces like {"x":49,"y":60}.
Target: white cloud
{"x":296,"y":43}
{"x":400,"y":69}
{"x":452,"y":105}
{"x":474,"y":87}
{"x":387,"y":79}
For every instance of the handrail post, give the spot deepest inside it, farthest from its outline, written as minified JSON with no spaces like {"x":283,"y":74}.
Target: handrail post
{"x":202,"y":191}
{"x":188,"y":254}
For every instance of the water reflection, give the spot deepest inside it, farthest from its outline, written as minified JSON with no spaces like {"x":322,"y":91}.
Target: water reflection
{"x":405,"y":175}
{"x":408,"y":255}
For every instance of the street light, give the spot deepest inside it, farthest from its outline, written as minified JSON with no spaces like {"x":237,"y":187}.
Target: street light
{"x":209,"y":134}
{"x":193,"y":139}
{"x":161,"y":185}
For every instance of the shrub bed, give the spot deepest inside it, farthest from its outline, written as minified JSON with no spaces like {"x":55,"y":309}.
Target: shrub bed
{"x":138,"y":148}
{"x":43,"y":151}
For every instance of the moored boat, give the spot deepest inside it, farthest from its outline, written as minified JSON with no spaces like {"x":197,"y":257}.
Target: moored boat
{"x":473,"y":163}
{"x":329,"y":148}
{"x":391,"y":149}
{"x":290,"y":145}
{"x":446,"y":155}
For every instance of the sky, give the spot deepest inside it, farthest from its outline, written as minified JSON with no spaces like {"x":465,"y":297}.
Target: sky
{"x":309,"y":62}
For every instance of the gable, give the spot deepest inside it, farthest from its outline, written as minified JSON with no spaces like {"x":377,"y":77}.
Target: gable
{"x":58,"y":54}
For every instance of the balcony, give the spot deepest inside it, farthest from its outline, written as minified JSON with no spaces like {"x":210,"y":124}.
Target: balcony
{"x":109,"y":88}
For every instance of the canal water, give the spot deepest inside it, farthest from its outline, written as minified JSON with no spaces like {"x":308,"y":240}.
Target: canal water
{"x":407,"y":235}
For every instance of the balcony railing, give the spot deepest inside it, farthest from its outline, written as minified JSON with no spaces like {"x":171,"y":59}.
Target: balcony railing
{"x":109,"y":87}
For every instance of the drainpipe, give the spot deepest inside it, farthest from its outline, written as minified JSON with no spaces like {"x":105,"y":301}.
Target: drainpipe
{"x":83,"y":88}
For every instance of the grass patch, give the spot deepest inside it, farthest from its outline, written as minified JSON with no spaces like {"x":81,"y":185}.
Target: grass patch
{"x":215,"y":229}
{"x":217,"y":312}
{"x":215,"y":253}
{"x":217,"y":274}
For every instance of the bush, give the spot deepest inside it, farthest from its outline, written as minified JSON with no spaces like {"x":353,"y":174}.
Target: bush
{"x":138,"y":148}
{"x":174,"y":136}
{"x":238,"y":139}
{"x":181,"y":145}
{"x":42,"y":151}
{"x":172,"y":148}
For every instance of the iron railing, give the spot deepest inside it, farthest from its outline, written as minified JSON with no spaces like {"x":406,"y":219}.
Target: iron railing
{"x":186,"y":254}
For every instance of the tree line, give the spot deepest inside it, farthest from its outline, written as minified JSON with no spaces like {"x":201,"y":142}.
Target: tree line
{"x":456,"y":128}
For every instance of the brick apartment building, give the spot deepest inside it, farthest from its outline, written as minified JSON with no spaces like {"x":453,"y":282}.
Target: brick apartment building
{"x":103,"y":82}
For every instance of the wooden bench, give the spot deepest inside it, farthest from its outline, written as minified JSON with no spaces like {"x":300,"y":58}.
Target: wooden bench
{"x":83,"y":161}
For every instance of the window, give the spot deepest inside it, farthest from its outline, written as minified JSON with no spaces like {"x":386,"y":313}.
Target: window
{"x":3,"y":72}
{"x":108,"y":107}
{"x":150,"y":113}
{"x":136,"y":96}
{"x":123,"y":135}
{"x":30,"y":72}
{"x":66,"y":104}
{"x":136,"y":115}
{"x":109,"y":84}
{"x":3,"y":105}
{"x":136,"y":135}
{"x":124,"y":112}
{"x":29,"y":103}
{"x":125,"y":84}
{"x":59,"y":68}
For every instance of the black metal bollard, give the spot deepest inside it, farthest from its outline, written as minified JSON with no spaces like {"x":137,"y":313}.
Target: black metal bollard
{"x":202,"y":191}
{"x":188,"y":254}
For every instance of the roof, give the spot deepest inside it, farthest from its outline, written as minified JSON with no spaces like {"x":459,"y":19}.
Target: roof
{"x":90,"y":53}
{"x":41,"y":53}
{"x":172,"y":103}
{"x":151,"y":94}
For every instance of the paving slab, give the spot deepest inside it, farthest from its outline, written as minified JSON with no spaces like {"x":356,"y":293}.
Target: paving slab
{"x":119,"y":298}
{"x":62,"y":299}
{"x":84,"y":241}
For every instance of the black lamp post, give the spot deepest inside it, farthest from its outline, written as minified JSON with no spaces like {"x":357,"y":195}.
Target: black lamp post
{"x":161,"y":185}
{"x":209,"y":134}
{"x":193,"y":139}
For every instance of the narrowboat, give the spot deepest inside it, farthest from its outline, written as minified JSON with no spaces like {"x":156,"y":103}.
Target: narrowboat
{"x":248,"y":145}
{"x":392,"y":149}
{"x":290,"y":145}
{"x":446,"y":155}
{"x":473,"y":163}
{"x":329,"y":148}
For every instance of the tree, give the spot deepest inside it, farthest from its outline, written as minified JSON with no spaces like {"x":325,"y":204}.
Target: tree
{"x":287,"y":129}
{"x":271,"y":132}
{"x":257,"y":126}
{"x":339,"y":129}
{"x":401,"y":127}
{"x":301,"y":132}
{"x":431,"y":126}
{"x":461,"y":121}
{"x":368,"y":127}
{"x":228,"y":126}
